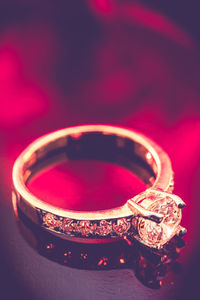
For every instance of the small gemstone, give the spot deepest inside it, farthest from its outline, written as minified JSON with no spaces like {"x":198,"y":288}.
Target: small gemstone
{"x":67,"y":225}
{"x":84,"y":227}
{"x":93,"y":228}
{"x":122,"y":226}
{"x":104,"y":228}
{"x":158,"y":234}
{"x":50,"y":221}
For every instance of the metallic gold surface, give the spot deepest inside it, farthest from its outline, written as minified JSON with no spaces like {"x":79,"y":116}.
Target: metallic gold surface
{"x":130,"y":149}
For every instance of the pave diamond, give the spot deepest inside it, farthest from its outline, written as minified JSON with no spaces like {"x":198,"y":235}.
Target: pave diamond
{"x":122,"y":226}
{"x":67,"y":225}
{"x":158,"y":234}
{"x":50,"y":221}
{"x":84,"y":227}
{"x":104,"y":228}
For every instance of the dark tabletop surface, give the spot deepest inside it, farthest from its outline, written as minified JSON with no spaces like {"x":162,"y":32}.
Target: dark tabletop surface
{"x":110,"y":62}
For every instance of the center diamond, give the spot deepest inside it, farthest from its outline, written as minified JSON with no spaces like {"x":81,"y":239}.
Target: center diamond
{"x":154,"y":234}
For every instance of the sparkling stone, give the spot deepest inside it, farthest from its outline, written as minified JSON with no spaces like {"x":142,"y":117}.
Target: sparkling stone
{"x":67,"y":225}
{"x":93,"y":228}
{"x":84,"y":227}
{"x":104,"y":228}
{"x":50,"y":221}
{"x":158,"y":234}
{"x":122,"y":226}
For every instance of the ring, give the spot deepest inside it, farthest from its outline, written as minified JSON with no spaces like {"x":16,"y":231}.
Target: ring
{"x":152,"y":217}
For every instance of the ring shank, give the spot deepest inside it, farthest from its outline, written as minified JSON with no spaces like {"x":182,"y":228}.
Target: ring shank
{"x":98,"y":142}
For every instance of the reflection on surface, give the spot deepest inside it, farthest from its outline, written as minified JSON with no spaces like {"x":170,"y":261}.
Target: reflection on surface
{"x":149,"y":267}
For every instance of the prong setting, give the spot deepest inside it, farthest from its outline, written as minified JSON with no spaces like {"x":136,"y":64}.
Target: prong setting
{"x":180,"y":203}
{"x":181,"y":231}
{"x":142,"y":212}
{"x":159,"y":216}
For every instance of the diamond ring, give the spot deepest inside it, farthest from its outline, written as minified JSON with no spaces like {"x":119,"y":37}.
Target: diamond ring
{"x":153,"y":217}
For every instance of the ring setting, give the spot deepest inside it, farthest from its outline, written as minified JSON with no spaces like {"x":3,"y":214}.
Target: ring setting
{"x":154,"y":222}
{"x":157,"y":230}
{"x":152,"y":217}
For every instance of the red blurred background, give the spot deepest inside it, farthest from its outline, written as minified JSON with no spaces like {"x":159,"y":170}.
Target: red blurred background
{"x":129,"y":63}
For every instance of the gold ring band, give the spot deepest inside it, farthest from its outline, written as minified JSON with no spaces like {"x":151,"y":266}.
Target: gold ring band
{"x":108,"y":143}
